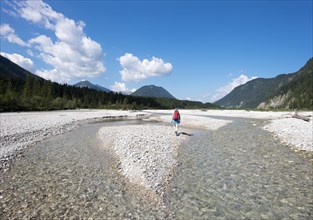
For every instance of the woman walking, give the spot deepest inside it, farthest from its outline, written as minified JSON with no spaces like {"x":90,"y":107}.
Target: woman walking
{"x":176,"y":120}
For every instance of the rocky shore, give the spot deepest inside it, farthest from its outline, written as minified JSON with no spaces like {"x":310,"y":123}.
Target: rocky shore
{"x":294,"y":132}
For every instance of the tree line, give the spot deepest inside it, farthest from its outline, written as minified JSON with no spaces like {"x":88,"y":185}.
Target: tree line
{"x":37,"y":94}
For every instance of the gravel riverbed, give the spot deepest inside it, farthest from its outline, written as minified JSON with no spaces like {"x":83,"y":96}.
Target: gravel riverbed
{"x":296,"y":133}
{"x":226,"y":156}
{"x":147,"y":153}
{"x":20,"y":130}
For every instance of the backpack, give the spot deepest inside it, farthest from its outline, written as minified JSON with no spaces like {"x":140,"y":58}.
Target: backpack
{"x":176,"y":116}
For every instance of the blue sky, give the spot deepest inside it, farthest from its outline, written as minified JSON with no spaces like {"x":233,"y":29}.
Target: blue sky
{"x":197,"y":50}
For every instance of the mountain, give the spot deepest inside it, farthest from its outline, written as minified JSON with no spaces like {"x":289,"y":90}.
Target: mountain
{"x":8,"y":68}
{"x":251,"y":94}
{"x":285,"y":91}
{"x":153,"y":91}
{"x":296,"y":94}
{"x":86,"y":83}
{"x":21,"y":90}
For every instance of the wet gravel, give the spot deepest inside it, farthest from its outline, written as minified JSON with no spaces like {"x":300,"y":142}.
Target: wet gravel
{"x":237,"y":172}
{"x":241,"y":172}
{"x":72,"y":176}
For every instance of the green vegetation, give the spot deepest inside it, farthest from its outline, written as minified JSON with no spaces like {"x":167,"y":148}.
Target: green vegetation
{"x":284,"y":92}
{"x":23,"y":91}
{"x":300,"y":89}
{"x":251,"y":94}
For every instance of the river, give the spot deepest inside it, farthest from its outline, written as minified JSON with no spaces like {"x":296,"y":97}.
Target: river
{"x":237,"y":172}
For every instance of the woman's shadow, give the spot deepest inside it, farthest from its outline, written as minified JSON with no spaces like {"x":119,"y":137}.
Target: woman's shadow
{"x":184,"y":133}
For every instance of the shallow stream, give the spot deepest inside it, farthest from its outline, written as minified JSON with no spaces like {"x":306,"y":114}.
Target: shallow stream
{"x":241,"y":172}
{"x":236,"y":172}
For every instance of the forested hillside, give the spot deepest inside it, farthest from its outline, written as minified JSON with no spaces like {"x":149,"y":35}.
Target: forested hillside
{"x":296,"y":94}
{"x":254,"y":92}
{"x":285,"y":91}
{"x":20,"y":90}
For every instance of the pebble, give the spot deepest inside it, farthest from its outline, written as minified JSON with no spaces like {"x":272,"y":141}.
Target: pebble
{"x":24,"y":205}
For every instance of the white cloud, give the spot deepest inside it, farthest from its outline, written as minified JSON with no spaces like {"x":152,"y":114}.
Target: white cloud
{"x":37,"y":12}
{"x":20,"y":60}
{"x":42,"y":42}
{"x":224,"y":90}
{"x":136,"y":70}
{"x":7,"y":32}
{"x":53,"y":75}
{"x":121,"y":87}
{"x":72,"y":54}
{"x":30,"y":52}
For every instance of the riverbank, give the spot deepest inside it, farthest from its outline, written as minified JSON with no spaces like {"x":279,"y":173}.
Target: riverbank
{"x":296,"y":133}
{"x":21,"y":130}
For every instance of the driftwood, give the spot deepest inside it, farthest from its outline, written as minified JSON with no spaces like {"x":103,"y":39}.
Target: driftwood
{"x":296,"y":115}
